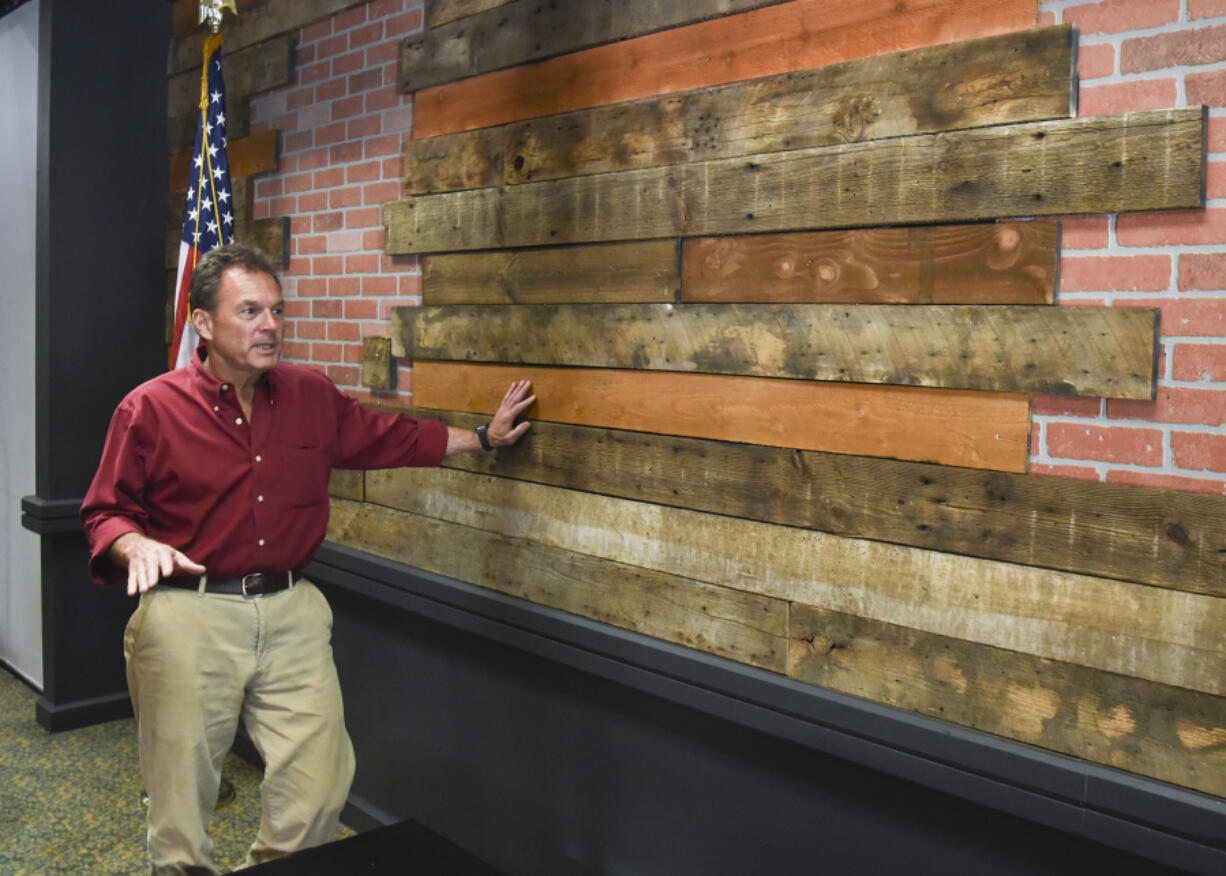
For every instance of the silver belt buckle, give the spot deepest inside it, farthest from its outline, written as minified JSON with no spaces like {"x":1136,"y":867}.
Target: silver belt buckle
{"x":245,"y":577}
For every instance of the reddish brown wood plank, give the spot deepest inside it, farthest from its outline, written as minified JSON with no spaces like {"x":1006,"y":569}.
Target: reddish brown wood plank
{"x":954,"y":427}
{"x":1005,"y":263}
{"x":777,"y":39}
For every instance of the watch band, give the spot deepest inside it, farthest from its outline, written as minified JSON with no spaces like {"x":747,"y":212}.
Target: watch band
{"x":484,"y":437}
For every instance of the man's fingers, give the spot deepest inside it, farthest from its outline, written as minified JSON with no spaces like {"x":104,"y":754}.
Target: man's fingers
{"x":184,"y":564}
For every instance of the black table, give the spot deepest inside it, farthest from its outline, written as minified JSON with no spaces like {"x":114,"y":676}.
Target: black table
{"x":403,"y":848}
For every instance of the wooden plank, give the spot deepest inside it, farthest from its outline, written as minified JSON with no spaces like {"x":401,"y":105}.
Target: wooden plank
{"x":1141,"y":161}
{"x":248,"y":156}
{"x":1165,"y":636}
{"x":451,"y":162}
{"x":181,"y":129}
{"x":1155,"y":730}
{"x":440,"y":12}
{"x":257,"y":21}
{"x":952,"y":427}
{"x":1001,"y":263}
{"x":347,"y":484}
{"x":271,"y":235}
{"x":1166,"y":538}
{"x":247,"y":71}
{"x":377,"y":366}
{"x":717,"y":620}
{"x":1095,"y":351}
{"x":640,"y":272}
{"x":524,"y":30}
{"x":1017,"y":77}
{"x":778,"y":39}
{"x":1024,"y":76}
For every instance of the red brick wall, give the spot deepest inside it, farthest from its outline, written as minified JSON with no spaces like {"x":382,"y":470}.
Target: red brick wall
{"x":1144,"y":54}
{"x":343,"y":124}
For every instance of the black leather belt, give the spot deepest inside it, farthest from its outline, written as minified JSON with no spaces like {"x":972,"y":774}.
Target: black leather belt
{"x":251,"y":584}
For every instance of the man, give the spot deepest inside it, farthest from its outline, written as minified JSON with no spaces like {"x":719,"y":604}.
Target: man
{"x":210,"y":496}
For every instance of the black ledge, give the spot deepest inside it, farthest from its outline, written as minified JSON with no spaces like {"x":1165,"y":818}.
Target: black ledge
{"x":1178,"y":827}
{"x":50,"y":516}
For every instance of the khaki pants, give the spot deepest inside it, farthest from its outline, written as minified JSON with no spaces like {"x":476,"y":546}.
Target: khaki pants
{"x":199,"y":663}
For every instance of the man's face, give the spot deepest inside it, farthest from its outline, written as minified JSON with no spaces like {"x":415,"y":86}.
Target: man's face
{"x":244,"y":335}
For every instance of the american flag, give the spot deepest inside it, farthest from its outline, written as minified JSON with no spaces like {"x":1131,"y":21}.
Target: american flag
{"x":208,"y":221}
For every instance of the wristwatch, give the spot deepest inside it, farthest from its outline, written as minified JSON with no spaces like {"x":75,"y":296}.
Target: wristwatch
{"x":483,"y":434}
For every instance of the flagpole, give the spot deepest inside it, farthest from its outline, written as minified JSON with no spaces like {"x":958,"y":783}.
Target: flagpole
{"x":204,"y":226}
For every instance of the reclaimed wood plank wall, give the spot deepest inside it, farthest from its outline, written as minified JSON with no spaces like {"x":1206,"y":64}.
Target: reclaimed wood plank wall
{"x":588,"y":210}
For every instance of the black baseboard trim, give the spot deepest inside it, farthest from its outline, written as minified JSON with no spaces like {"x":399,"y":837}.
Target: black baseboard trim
{"x":1175,"y":826}
{"x":57,"y":717}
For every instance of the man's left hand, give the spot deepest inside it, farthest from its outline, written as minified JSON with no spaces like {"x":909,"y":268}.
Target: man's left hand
{"x":503,"y":430}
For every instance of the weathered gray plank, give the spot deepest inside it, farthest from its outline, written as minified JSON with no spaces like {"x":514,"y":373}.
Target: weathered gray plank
{"x":1019,"y":77}
{"x":606,"y":272}
{"x":1102,"y":351}
{"x":1025,"y":76}
{"x":718,"y":620}
{"x":986,"y":263}
{"x":1166,"y":636}
{"x":440,"y":12}
{"x":522,"y":31}
{"x":255,"y":22}
{"x":377,"y":365}
{"x":247,"y":71}
{"x":181,"y":129}
{"x":1141,"y":161}
{"x":1166,"y":538}
{"x":1155,"y":730}
{"x":347,"y":485}
{"x":271,"y":235}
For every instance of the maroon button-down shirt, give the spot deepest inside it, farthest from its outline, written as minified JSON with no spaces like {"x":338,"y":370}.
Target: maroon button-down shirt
{"x":183,"y":465}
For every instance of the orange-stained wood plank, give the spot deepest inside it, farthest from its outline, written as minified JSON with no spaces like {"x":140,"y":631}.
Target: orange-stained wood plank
{"x":777,"y":39}
{"x":248,"y":156}
{"x":953,"y":427}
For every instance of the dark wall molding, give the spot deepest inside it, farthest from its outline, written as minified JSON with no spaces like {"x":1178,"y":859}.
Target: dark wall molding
{"x":1140,"y":816}
{"x":100,"y":291}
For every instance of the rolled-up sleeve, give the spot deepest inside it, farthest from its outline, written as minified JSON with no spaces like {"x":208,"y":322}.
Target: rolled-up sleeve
{"x":369,"y":438}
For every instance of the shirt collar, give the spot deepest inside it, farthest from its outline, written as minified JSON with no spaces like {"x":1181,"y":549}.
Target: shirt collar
{"x":207,"y":384}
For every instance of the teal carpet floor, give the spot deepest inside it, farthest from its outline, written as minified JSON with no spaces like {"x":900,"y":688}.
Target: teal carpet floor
{"x":70,"y":802}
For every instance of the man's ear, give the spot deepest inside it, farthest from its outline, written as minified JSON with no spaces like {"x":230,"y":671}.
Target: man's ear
{"x":203,"y":321}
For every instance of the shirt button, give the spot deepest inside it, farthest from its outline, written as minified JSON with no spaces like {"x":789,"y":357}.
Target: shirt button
{"x":261,"y":542}
{"x":225,"y":386}
{"x":239,"y":421}
{"x":215,"y":408}
{"x":259,"y":498}
{"x":259,"y":458}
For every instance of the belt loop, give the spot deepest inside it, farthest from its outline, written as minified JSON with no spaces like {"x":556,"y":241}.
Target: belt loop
{"x":204,"y":583}
{"x":292,"y":582}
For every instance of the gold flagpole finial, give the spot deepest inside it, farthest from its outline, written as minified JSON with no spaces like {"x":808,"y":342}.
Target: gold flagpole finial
{"x":210,"y":12}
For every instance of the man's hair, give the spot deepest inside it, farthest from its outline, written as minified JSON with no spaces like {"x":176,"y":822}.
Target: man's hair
{"x":206,"y":278}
